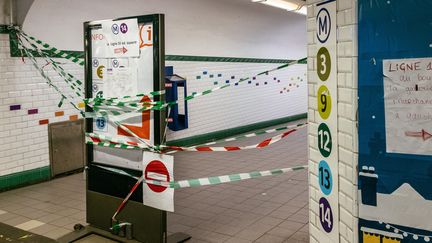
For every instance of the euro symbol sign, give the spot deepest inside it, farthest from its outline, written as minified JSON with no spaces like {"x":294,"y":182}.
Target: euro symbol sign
{"x":99,"y":71}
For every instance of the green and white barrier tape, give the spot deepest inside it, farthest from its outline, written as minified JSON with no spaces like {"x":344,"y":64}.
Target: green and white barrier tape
{"x":108,"y":141}
{"x":111,"y":145}
{"x":126,"y":99}
{"x":262,"y":144}
{"x":48,"y":80}
{"x":257,"y":133}
{"x":127,"y":102}
{"x":164,"y":105}
{"x":74,"y":83}
{"x":213,"y":180}
{"x":73,"y":58}
{"x":131,"y":104}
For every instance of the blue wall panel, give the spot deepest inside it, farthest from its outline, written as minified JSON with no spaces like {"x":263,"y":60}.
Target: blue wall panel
{"x":390,"y":29}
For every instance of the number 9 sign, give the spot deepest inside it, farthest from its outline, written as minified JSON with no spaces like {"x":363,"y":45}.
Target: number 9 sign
{"x":324,"y":102}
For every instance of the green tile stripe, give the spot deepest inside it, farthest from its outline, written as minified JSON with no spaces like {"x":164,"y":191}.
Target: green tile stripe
{"x":4,"y":29}
{"x":223,"y":59}
{"x":221,"y":134}
{"x":15,"y":52}
{"x":23,"y":178}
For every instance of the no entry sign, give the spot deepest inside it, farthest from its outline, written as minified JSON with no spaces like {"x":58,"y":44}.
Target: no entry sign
{"x":158,"y":167}
{"x":156,"y":170}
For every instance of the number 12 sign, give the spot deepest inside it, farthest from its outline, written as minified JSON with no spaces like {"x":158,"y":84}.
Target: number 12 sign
{"x":326,"y":72}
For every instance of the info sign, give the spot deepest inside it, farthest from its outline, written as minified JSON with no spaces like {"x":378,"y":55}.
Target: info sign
{"x":116,"y":39}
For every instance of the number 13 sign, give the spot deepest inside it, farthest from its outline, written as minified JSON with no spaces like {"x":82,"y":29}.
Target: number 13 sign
{"x":326,"y":72}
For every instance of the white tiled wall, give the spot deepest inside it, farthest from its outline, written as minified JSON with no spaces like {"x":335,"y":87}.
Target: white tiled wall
{"x":243,"y":104}
{"x":24,"y":143}
{"x":347,"y":120}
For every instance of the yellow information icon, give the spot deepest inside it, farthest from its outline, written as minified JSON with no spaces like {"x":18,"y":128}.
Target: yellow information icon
{"x":324,"y":102}
{"x":99,"y":71}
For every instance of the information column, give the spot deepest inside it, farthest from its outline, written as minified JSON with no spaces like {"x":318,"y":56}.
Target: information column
{"x":326,"y":71}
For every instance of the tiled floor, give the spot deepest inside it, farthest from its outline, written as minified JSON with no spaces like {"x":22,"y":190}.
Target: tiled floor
{"x":269,"y":209}
{"x":50,"y":209}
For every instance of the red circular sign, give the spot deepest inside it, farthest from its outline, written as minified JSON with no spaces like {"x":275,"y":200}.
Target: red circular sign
{"x":156,"y":170}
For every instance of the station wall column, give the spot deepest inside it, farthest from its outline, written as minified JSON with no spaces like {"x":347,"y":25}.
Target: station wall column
{"x":346,"y":147}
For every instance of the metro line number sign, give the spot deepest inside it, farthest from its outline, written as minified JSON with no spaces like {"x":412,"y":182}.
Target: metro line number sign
{"x":326,"y":96}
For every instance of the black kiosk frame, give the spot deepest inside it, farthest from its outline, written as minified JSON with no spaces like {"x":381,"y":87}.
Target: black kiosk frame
{"x":105,"y":189}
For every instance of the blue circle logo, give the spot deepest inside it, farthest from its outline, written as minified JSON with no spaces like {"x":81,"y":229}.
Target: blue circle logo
{"x":325,"y":178}
{"x":95,"y":88}
{"x":95,"y":62}
{"x":115,"y":63}
{"x":115,"y":29}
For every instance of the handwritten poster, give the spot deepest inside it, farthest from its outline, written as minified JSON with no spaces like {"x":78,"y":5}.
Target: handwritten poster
{"x":408,"y":105}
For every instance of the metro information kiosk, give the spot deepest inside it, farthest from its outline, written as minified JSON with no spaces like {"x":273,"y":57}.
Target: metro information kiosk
{"x":117,"y":66}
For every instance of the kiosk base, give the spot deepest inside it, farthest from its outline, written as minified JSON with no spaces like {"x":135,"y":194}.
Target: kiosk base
{"x":91,"y":234}
{"x":178,"y":238}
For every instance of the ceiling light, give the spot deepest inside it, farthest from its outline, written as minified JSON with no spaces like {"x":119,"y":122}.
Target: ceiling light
{"x":289,"y":6}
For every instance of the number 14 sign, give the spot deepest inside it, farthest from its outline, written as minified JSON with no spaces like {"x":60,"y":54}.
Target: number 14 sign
{"x":326,"y":72}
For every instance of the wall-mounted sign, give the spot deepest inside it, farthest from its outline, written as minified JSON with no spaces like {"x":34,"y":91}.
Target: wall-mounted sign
{"x":328,"y":199}
{"x":408,"y":102}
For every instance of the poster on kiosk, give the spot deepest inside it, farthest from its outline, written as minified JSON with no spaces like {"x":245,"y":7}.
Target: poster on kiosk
{"x":119,"y":48}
